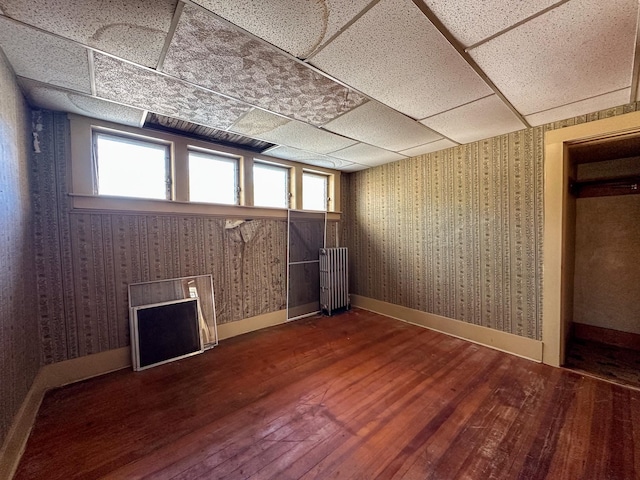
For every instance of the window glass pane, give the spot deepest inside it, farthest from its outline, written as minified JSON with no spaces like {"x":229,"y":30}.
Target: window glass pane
{"x":270,"y":186}
{"x":212,"y":179}
{"x":314,"y":191}
{"x":131,"y":168}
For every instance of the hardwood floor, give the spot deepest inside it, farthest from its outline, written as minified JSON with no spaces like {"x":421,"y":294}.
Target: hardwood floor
{"x":356,"y":395}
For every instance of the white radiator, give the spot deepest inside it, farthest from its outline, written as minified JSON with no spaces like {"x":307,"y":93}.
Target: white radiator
{"x":334,"y":279}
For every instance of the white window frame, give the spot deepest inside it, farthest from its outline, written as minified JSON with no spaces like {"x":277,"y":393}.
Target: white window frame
{"x":276,"y":166}
{"x":327,"y":200}
{"x":223,"y":157}
{"x":82,"y":182}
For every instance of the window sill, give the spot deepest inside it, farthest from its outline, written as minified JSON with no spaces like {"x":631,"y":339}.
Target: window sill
{"x":107,"y":204}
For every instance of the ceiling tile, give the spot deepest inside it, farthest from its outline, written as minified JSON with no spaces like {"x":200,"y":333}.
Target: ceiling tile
{"x":355,"y":167}
{"x":302,"y":135}
{"x":257,"y":122}
{"x":382,"y":126}
{"x":135,"y":30}
{"x":294,"y":26}
{"x":213,"y":54}
{"x":140,"y":87}
{"x":471,"y":21}
{"x":44,"y":96}
{"x":367,"y":155}
{"x":294,"y":154}
{"x":428,"y":148}
{"x":579,"y":50}
{"x":43,"y":57}
{"x":477,"y":120}
{"x":394,"y":54}
{"x":582,"y":107}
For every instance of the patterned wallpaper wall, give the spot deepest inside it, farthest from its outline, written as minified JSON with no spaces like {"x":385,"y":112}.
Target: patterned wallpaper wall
{"x":19,"y":359}
{"x":457,"y":233}
{"x":86,"y":260}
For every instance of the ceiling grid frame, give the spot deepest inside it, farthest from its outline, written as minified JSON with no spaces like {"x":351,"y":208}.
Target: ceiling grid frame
{"x":606,"y":98}
{"x":466,"y":57}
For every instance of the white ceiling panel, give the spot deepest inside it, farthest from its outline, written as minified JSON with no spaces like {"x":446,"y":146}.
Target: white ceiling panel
{"x":471,"y":21}
{"x":394,"y":54}
{"x":303,"y":136}
{"x":579,"y":50}
{"x":382,"y":126}
{"x":295,"y":26}
{"x":428,"y":148}
{"x":43,"y":57}
{"x":213,"y":54}
{"x":144,"y":88}
{"x":477,"y":120}
{"x":355,"y":167}
{"x":44,"y":96}
{"x":289,"y":153}
{"x":367,"y":155}
{"x":258,"y":122}
{"x":582,"y":107}
{"x":134,"y":30}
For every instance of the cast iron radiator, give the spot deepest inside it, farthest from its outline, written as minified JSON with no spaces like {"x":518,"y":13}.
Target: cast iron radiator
{"x":334,"y":279}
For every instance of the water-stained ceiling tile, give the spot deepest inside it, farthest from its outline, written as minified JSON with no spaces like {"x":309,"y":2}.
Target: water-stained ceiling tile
{"x":143,"y":88}
{"x":43,"y":57}
{"x":209,"y":52}
{"x":428,"y":148}
{"x":296,"y":155}
{"x":45,"y":96}
{"x":394,"y":54}
{"x":471,"y":21}
{"x":383,"y":127}
{"x":367,"y":155}
{"x":484,"y":118}
{"x":258,"y":122}
{"x":578,"y":50}
{"x":582,"y":107}
{"x":295,"y":26}
{"x":131,"y":29}
{"x":292,"y":133}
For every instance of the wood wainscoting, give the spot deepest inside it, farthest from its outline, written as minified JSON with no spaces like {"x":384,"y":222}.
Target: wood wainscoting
{"x":356,"y":395}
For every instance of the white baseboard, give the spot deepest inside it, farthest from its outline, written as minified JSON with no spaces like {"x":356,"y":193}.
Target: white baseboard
{"x":505,"y":342}
{"x":53,"y":376}
{"x":232,"y":329}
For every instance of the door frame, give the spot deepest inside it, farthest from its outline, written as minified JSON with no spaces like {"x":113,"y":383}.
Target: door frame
{"x":559,"y":225}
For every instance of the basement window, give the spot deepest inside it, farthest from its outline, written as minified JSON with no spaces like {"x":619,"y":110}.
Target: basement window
{"x":315,"y":191}
{"x":271,"y":185}
{"x":213,"y":178}
{"x":131,"y":167}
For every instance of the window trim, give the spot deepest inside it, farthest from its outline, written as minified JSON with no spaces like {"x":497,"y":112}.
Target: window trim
{"x":81,"y":182}
{"x":275,"y":166}
{"x":236,"y":160}
{"x":315,"y":173}
{"x":133,"y":139}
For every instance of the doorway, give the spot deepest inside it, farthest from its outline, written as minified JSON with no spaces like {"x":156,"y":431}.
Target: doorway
{"x":560,"y":221}
{"x":604,"y":335}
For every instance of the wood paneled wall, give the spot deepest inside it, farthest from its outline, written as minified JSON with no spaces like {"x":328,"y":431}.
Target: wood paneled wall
{"x":457,"y":233}
{"x":19,"y":341}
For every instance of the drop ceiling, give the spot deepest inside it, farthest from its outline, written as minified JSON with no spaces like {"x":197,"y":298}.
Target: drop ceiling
{"x":345,"y":84}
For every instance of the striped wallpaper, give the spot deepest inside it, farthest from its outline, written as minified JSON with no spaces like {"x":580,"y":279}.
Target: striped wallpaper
{"x":19,"y":341}
{"x":457,"y":233}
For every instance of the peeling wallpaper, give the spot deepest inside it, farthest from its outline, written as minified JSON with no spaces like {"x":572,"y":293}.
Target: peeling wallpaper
{"x":86,"y":260}
{"x":19,"y":343}
{"x":458,"y":232}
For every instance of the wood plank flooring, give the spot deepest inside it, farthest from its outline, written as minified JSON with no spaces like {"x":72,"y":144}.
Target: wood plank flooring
{"x":356,"y":396}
